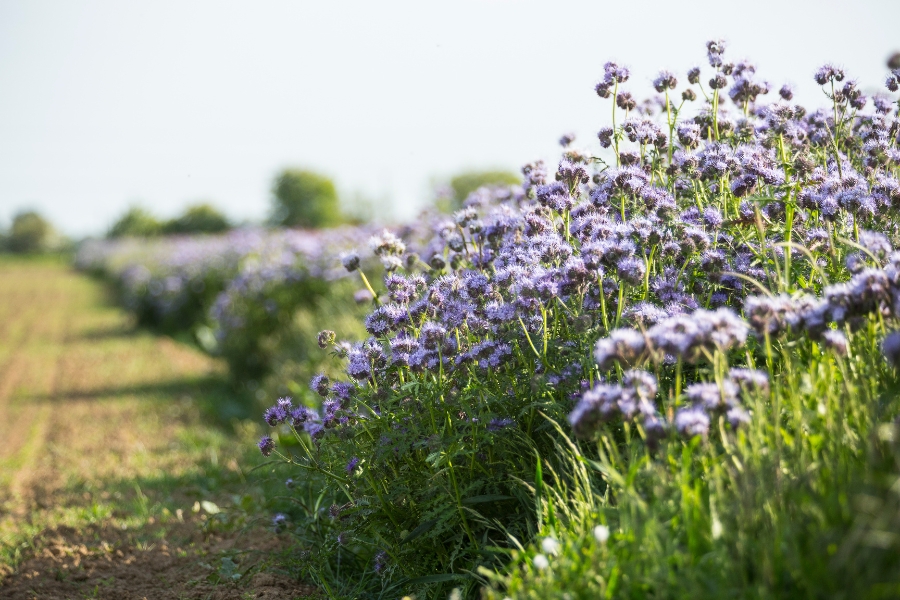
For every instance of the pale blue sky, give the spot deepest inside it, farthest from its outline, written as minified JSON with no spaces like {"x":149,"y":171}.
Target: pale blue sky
{"x":108,"y":103}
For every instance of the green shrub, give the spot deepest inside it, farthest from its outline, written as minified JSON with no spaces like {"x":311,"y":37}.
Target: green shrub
{"x":136,"y":222}
{"x":199,"y":218}
{"x":304,"y":199}
{"x":29,"y":232}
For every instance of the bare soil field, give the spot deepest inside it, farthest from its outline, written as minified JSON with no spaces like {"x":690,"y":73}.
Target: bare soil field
{"x":115,"y":459}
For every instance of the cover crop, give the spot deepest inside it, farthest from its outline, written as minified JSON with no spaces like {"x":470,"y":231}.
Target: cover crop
{"x":653,"y":371}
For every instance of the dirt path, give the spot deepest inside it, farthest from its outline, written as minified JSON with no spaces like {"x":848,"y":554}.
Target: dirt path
{"x":109,"y":456}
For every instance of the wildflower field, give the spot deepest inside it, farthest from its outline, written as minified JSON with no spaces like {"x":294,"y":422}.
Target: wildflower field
{"x":664,"y":367}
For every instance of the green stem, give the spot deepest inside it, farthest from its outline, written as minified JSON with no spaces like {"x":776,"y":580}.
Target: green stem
{"x":369,"y":287}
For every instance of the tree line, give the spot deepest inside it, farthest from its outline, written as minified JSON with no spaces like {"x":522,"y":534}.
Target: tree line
{"x":300,"y":198}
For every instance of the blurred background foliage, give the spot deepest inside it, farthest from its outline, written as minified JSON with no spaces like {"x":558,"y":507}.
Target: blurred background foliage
{"x":197,"y":218}
{"x":462,"y":184}
{"x":31,"y":233}
{"x":305,"y":199}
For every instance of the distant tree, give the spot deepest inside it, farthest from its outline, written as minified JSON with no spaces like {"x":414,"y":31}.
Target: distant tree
{"x":467,"y":182}
{"x":30,"y":232}
{"x":200,"y":218}
{"x":137,"y":222}
{"x":304,"y":199}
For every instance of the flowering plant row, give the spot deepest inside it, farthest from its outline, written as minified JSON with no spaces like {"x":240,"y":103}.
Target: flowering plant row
{"x":233,"y":290}
{"x":648,"y":309}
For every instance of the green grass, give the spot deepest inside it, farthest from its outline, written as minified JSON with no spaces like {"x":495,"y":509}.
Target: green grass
{"x":802,"y":504}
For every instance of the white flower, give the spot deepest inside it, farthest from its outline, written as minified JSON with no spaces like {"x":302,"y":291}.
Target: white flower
{"x":601,"y":533}
{"x":550,"y":546}
{"x":540,"y":562}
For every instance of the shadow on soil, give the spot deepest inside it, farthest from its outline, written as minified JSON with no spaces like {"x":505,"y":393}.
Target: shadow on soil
{"x":219,"y":403}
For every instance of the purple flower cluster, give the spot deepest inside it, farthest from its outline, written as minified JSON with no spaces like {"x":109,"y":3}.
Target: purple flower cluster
{"x":708,"y":401}
{"x":633,"y":399}
{"x":653,"y":254}
{"x":302,"y":418}
{"x":557,"y":298}
{"x":682,"y":337}
{"x":871,"y":290}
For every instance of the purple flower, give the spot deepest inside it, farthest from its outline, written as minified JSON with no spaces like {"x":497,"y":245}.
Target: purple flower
{"x":836,"y":341}
{"x":890,"y":347}
{"x":713,"y":397}
{"x":319,"y":384}
{"x":352,"y":464}
{"x":828,"y":73}
{"x":631,"y":270}
{"x":693,"y":75}
{"x":497,"y":424}
{"x":626,"y":101}
{"x":625,"y":346}
{"x":380,"y":561}
{"x":386,"y":244}
{"x":665,"y":81}
{"x":718,"y":81}
{"x":566,"y":139}
{"x":737,"y":417}
{"x":279,"y":522}
{"x":266,"y":444}
{"x":350,"y":260}
{"x":689,"y":135}
{"x":605,"y":135}
{"x":359,"y":366}
{"x":278,"y":413}
{"x":302,"y":415}
{"x":616,"y":74}
{"x":691,"y":422}
{"x":556,"y":196}
{"x":714,"y":51}
{"x":596,"y":406}
{"x":750,"y":380}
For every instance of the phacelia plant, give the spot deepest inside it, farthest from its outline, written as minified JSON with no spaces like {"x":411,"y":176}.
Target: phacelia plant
{"x":619,"y":344}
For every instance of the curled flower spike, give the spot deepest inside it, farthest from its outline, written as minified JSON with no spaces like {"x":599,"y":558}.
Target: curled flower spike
{"x":319,"y":384}
{"x":386,"y":244}
{"x":266,"y":445}
{"x":665,"y":81}
{"x":350,"y":260}
{"x":325,"y":338}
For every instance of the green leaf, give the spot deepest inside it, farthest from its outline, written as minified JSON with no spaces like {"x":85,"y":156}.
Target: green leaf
{"x":421,"y":529}
{"x":228,"y":569}
{"x":435,"y":459}
{"x":486,"y":498}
